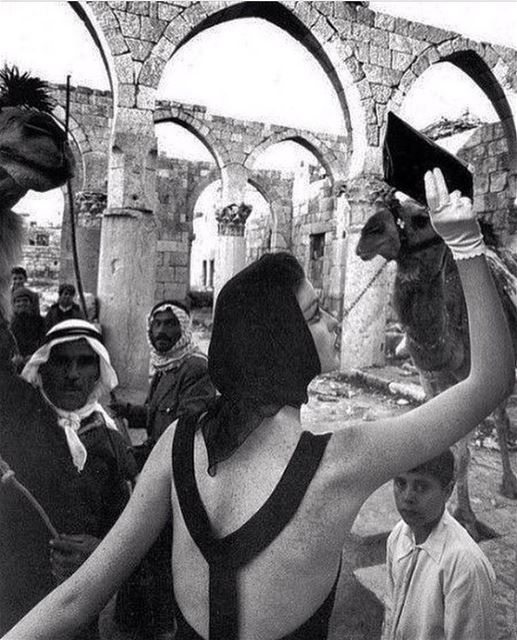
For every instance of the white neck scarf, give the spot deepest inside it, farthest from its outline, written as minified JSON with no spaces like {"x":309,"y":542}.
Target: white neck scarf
{"x":70,"y":422}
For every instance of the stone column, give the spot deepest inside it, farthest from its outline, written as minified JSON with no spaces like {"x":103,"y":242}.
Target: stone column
{"x":89,"y":208}
{"x":364,"y":303}
{"x":127,"y":264}
{"x":231,"y":245}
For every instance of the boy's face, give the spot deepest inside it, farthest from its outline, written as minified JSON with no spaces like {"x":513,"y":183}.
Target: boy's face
{"x":18,"y":280}
{"x":66,"y":298}
{"x":420,"y":499}
{"x":21,"y":305}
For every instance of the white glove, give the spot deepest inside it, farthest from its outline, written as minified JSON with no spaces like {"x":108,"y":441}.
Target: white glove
{"x":452,"y":218}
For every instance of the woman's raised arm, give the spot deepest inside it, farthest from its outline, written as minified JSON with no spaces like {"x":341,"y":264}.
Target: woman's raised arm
{"x":379,"y":450}
{"x":86,"y":592}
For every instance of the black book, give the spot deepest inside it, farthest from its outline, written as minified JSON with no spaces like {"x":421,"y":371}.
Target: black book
{"x":408,"y":155}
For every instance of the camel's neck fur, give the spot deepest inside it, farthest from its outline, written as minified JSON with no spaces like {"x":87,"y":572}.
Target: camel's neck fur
{"x":430,"y":310}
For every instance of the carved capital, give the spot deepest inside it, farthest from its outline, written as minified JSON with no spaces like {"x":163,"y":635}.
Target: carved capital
{"x":231,"y":220}
{"x":366,"y":187}
{"x":90,"y":206}
{"x":362,"y":193}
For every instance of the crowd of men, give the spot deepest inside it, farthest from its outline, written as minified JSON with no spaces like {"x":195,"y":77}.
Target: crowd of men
{"x":61,"y":435}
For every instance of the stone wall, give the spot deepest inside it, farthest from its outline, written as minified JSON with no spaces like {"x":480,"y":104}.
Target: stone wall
{"x":487,"y":150}
{"x":90,"y":121}
{"x":41,"y":252}
{"x":235,"y":141}
{"x":314,"y":231}
{"x":179,"y":183}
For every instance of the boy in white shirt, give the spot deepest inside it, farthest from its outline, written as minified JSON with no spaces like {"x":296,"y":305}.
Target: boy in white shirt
{"x":440,"y":585}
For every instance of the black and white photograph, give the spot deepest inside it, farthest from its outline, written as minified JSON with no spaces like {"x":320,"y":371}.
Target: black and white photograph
{"x":258,"y":320}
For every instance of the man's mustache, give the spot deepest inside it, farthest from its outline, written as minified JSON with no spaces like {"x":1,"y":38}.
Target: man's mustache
{"x":162,"y":336}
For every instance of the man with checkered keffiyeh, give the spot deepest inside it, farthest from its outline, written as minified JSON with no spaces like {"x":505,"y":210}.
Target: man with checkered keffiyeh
{"x":178,"y":371}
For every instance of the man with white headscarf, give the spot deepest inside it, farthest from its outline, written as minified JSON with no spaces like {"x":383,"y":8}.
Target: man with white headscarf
{"x":67,"y":451}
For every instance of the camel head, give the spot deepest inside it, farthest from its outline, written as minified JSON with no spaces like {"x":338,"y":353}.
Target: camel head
{"x":34,"y":154}
{"x":396,"y":229}
{"x":33,"y":148}
{"x":380,"y":234}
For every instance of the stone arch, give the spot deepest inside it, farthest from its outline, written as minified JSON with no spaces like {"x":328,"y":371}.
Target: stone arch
{"x":193,"y":197}
{"x":491,"y":74}
{"x":307,"y":26}
{"x":491,"y":80}
{"x":264,"y":191}
{"x":309,"y":141}
{"x":280,"y":208}
{"x":267,"y":223}
{"x":80,"y":141}
{"x":104,"y":29}
{"x":194,"y":125}
{"x":481,"y":63}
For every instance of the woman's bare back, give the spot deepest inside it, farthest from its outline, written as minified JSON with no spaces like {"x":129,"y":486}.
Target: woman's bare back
{"x":295,"y":573}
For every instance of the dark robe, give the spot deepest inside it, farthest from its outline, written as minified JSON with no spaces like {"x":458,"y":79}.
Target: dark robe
{"x":55,"y":314}
{"x":34,"y":445}
{"x":183,"y":390}
{"x":29,"y":331}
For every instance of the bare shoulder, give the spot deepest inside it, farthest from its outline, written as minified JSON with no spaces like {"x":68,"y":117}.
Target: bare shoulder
{"x":346,"y":457}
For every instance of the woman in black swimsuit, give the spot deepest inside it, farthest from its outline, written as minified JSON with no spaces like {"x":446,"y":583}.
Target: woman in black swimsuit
{"x":260,"y":508}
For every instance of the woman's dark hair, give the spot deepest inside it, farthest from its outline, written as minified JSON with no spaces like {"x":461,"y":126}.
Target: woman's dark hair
{"x":261,"y":355}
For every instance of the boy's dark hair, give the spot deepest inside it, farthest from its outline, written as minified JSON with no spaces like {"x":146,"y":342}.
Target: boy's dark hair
{"x":440,"y":467}
{"x":66,"y":288}
{"x":19,"y":271}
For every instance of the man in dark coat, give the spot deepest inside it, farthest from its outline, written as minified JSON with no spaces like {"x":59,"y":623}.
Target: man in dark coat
{"x":65,"y":308}
{"x":27,"y":326}
{"x":180,"y":384}
{"x":65,"y":448}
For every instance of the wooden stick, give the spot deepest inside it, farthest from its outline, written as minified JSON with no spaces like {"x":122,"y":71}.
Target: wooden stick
{"x":7,"y":477}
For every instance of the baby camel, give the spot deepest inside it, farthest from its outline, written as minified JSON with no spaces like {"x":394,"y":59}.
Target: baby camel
{"x":429,"y":303}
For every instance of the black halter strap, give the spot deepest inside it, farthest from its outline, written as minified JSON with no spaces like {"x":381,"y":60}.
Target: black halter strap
{"x":420,"y":246}
{"x":225,"y":555}
{"x":412,"y":248}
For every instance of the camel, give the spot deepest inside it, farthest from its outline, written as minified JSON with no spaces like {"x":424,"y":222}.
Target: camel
{"x":34,"y":154}
{"x":429,"y":303}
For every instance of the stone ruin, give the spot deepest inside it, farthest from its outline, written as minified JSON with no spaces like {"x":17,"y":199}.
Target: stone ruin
{"x":134,"y":226}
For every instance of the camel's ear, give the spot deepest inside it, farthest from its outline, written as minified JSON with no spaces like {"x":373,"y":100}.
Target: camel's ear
{"x":409,"y":154}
